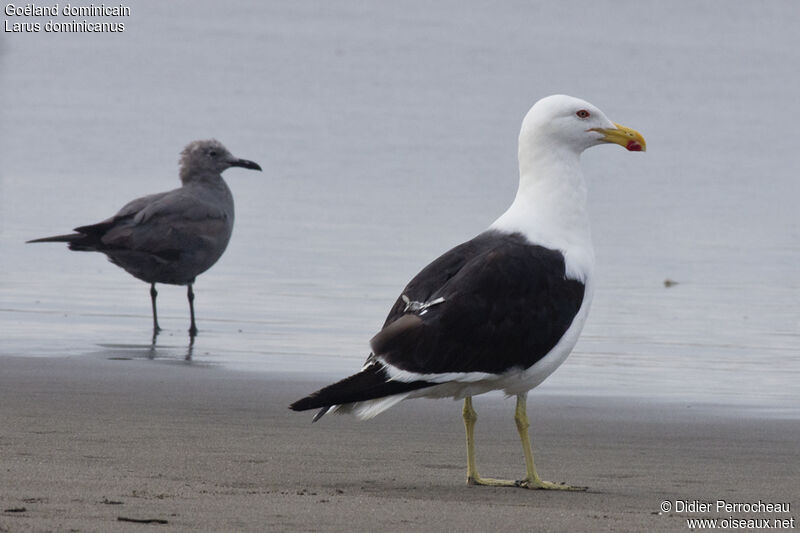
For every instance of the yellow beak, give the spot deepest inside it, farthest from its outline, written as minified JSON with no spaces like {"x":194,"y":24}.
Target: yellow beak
{"x":627,"y":137}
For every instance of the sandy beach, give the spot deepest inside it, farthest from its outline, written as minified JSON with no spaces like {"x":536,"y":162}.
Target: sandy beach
{"x":88,"y":443}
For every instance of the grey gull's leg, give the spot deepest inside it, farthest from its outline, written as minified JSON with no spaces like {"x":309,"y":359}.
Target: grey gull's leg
{"x":153,"y":294}
{"x":190,"y":296}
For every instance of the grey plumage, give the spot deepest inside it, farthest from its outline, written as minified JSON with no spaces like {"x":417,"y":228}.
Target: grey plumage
{"x":170,"y":237}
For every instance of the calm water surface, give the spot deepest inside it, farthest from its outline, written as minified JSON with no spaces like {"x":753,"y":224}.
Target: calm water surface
{"x":388,"y":135}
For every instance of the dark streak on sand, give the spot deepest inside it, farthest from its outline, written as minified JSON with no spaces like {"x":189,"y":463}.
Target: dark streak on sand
{"x":143,"y":520}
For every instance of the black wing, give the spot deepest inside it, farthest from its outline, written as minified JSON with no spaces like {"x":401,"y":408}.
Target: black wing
{"x":506,"y":305}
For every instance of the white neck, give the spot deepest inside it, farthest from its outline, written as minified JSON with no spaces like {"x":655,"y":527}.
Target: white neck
{"x":550,"y":206}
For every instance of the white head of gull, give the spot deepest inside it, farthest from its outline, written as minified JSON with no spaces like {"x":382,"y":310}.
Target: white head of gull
{"x":550,"y":206}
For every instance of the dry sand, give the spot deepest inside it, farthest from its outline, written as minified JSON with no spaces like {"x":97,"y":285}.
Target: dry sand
{"x":87,"y":440}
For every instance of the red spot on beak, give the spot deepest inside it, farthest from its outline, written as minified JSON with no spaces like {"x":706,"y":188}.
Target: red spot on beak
{"x":633,"y":146}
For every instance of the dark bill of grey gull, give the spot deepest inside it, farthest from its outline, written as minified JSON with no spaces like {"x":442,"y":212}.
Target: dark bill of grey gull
{"x":170,"y":237}
{"x":503,"y":310}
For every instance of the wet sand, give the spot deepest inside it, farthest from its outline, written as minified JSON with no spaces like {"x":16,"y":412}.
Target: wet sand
{"x":87,"y":440}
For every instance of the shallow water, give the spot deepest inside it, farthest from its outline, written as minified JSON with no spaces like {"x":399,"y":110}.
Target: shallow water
{"x":388,"y":135}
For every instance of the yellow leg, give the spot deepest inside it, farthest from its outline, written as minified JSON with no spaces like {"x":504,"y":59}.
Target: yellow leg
{"x":532,"y":479}
{"x":470,"y":417}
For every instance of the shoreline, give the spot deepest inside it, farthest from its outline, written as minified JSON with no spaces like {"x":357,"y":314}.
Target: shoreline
{"x":87,"y":440}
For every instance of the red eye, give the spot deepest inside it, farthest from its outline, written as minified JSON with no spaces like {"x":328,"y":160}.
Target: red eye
{"x":583,"y":113}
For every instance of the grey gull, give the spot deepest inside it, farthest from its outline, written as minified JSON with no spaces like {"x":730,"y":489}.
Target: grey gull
{"x":170,"y":237}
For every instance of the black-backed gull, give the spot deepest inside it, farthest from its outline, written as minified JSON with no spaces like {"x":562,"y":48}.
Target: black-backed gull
{"x":503,"y":310}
